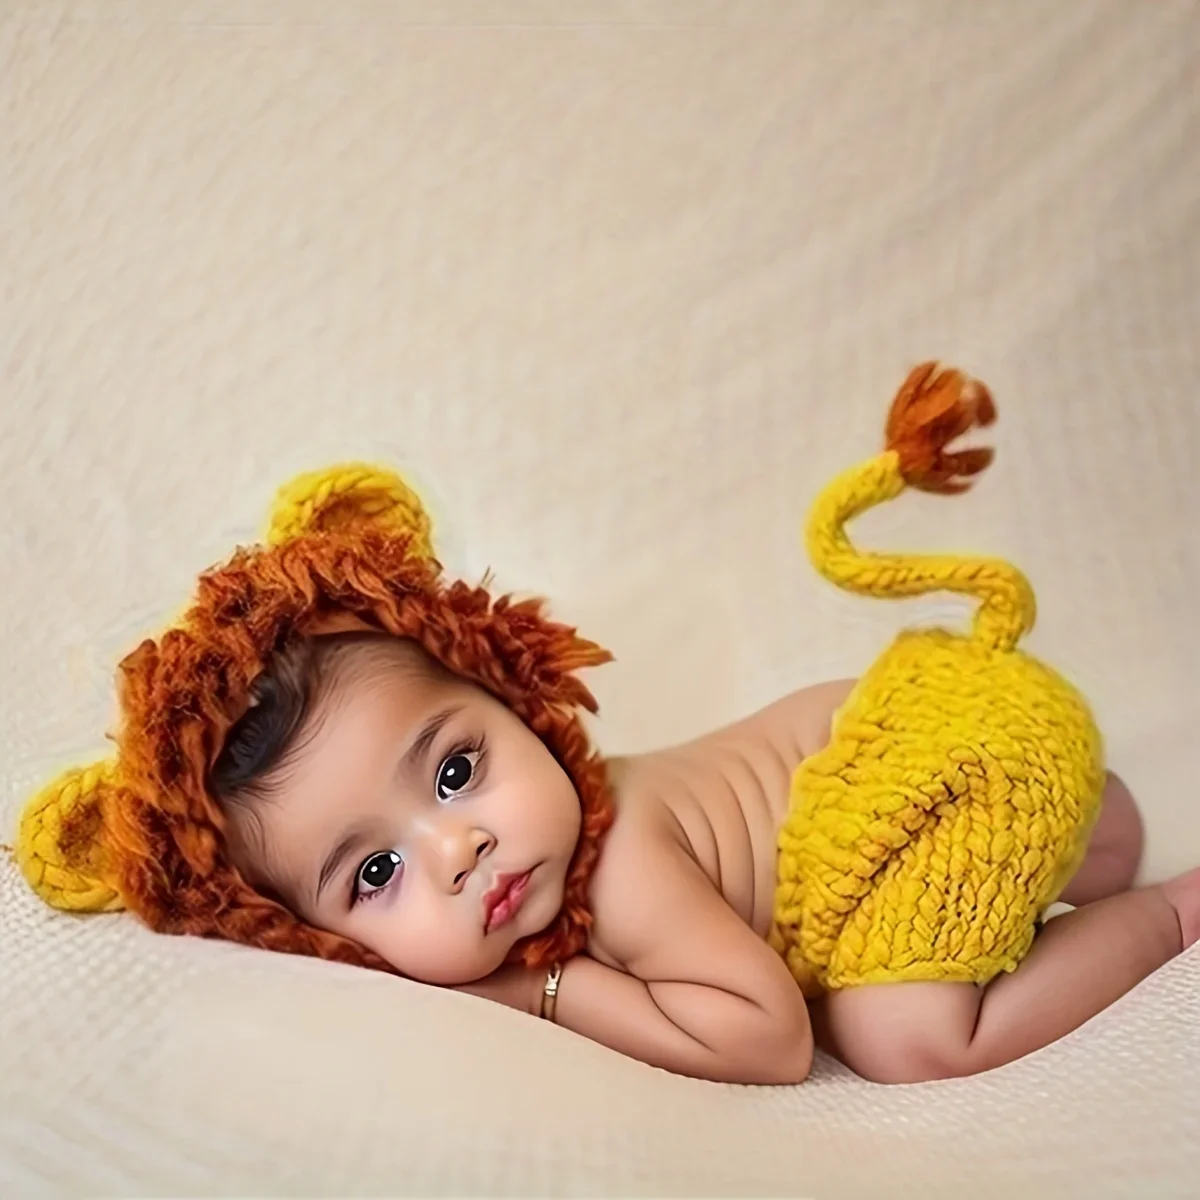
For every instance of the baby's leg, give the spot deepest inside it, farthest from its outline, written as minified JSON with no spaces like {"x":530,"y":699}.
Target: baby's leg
{"x":1114,"y":851}
{"x":1081,"y":963}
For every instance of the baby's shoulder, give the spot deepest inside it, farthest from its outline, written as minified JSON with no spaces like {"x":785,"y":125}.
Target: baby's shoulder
{"x":645,"y":843}
{"x":708,"y":811}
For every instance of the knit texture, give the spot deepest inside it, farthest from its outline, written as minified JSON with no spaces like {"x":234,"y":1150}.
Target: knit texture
{"x":348,"y":495}
{"x":69,"y":872}
{"x":962,"y":776}
{"x":346,"y":548}
{"x":62,"y":847}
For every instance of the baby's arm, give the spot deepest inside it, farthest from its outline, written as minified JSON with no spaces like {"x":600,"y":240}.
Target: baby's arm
{"x":700,"y":994}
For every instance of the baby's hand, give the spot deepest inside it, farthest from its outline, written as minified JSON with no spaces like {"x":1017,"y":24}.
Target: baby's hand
{"x":514,"y":985}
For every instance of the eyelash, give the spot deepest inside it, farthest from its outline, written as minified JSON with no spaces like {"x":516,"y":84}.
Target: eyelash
{"x":476,"y":746}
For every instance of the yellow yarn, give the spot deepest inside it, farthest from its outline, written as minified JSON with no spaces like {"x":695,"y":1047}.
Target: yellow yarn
{"x":69,"y":873}
{"x":60,"y":843}
{"x":345,"y":495}
{"x":1008,"y":609}
{"x":956,"y":794}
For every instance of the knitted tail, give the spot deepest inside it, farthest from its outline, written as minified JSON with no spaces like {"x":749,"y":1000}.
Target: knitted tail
{"x":932,"y":409}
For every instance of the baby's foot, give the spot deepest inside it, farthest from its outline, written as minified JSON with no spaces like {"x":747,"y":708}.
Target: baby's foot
{"x":1184,"y":894}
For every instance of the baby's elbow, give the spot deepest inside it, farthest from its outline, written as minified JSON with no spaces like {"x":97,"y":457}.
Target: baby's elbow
{"x":779,"y":1051}
{"x":791,"y":1063}
{"x":788,"y":1061}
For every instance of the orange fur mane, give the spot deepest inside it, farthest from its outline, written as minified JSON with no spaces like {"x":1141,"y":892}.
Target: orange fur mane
{"x":180,"y":694}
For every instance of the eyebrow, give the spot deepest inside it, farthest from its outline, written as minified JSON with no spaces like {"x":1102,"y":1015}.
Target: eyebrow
{"x":354,"y":837}
{"x":413,"y":759}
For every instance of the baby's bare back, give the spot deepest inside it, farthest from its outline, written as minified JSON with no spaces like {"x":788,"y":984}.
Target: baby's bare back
{"x":724,"y":796}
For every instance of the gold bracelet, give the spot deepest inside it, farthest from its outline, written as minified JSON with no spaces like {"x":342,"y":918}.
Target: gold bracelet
{"x":550,"y":992}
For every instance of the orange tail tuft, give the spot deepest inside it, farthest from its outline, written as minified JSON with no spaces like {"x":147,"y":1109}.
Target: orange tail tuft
{"x":934,"y":407}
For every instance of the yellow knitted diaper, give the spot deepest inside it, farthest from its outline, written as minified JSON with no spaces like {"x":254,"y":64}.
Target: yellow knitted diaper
{"x":957,"y":791}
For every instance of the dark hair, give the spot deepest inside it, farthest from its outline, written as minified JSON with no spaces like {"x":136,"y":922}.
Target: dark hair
{"x":284,"y":700}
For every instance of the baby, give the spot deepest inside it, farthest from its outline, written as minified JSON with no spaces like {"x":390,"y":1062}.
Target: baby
{"x":338,"y":753}
{"x":387,"y":800}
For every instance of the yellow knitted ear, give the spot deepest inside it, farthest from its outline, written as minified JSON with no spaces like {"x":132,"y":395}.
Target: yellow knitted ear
{"x":60,"y":846}
{"x":345,"y":496}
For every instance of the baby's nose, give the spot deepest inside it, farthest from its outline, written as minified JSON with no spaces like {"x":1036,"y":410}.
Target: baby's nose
{"x":465,"y":854}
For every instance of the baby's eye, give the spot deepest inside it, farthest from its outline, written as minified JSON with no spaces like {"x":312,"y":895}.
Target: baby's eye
{"x":454,"y":775}
{"x":377,"y":872}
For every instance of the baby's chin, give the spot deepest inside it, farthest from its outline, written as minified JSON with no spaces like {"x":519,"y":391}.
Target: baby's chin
{"x":451,"y":973}
{"x":475,"y":963}
{"x":543,"y":905}
{"x":536,"y":916}
{"x":482,"y":959}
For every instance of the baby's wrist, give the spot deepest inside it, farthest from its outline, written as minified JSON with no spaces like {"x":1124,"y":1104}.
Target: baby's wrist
{"x":547,"y":998}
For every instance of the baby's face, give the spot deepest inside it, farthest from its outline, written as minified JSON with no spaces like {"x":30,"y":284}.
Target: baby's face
{"x":423,"y":820}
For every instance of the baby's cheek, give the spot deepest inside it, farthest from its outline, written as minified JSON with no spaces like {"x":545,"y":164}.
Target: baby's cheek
{"x":433,"y":951}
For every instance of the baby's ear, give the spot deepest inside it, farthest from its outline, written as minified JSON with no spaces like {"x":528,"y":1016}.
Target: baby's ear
{"x":61,"y":846}
{"x":350,"y":496}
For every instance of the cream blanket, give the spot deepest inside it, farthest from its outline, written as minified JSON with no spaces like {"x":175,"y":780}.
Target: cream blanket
{"x":619,"y":285}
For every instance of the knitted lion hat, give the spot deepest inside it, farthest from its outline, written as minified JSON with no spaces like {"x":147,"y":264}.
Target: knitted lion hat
{"x":346,"y":549}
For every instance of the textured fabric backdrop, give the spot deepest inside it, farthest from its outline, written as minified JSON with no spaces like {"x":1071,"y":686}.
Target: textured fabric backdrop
{"x":620,"y":285}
